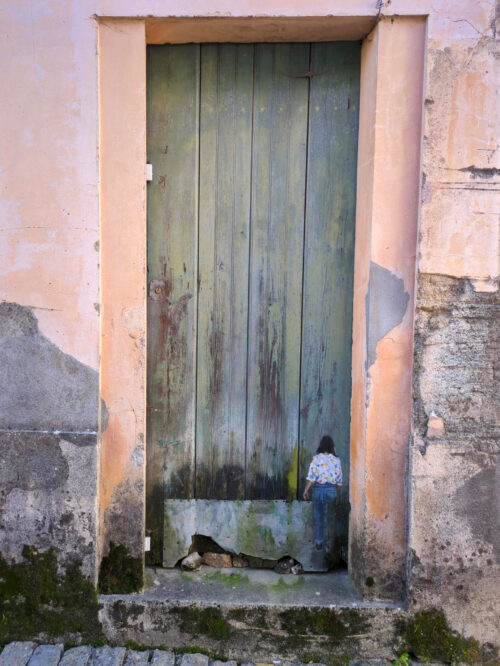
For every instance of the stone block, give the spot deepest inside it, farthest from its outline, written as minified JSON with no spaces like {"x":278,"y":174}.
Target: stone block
{"x":163,"y":658}
{"x":137,"y":657}
{"x":219,"y":560}
{"x":239,"y":561}
{"x":17,"y":653}
{"x":192,"y":562}
{"x":77,"y":656}
{"x":46,"y":655}
{"x":195,"y":659}
{"x":108,"y":656}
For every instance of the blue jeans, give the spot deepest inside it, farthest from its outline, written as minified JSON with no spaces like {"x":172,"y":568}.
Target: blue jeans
{"x":323,"y":494}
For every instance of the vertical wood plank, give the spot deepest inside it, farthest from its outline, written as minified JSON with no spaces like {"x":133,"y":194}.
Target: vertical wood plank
{"x":225,"y":164}
{"x":329,"y":251}
{"x":173,"y":150}
{"x":277,"y":218}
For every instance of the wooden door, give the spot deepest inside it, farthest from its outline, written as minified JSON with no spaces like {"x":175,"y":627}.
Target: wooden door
{"x":250,"y":264}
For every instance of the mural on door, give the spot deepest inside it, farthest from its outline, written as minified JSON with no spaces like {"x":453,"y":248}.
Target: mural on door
{"x":250,"y":263}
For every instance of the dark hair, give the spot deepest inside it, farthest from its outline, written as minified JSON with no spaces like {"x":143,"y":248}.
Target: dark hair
{"x":326,"y":445}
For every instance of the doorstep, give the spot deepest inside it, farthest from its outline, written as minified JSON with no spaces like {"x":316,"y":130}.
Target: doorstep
{"x":255,"y":614}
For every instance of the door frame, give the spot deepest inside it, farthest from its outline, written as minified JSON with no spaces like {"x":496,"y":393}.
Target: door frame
{"x":387,"y":218}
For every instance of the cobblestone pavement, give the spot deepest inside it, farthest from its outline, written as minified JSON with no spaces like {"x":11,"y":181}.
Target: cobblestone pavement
{"x":28,"y":653}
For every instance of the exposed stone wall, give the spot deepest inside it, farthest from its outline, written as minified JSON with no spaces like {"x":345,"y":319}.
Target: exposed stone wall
{"x":454,"y":559}
{"x":454,"y":537}
{"x":48,"y":436}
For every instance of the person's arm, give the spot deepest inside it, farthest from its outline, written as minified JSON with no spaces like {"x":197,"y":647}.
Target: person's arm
{"x":306,"y":489}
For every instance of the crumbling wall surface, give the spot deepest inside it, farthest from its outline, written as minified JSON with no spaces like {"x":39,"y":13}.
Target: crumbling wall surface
{"x":454,"y":547}
{"x":48,"y":437}
{"x":455,"y":541}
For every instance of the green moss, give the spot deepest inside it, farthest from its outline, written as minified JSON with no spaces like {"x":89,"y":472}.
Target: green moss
{"x":255,"y":618}
{"x":292,"y":476}
{"x":337,"y":625}
{"x":206,"y":621}
{"x":252,"y":535}
{"x":38,"y":601}
{"x":120,"y":573}
{"x":321,"y":658}
{"x":238,"y":614}
{"x":123,"y":612}
{"x":428,"y":636}
{"x":281,"y":586}
{"x":196,"y":649}
{"x":141,"y":647}
{"x":230,"y":579}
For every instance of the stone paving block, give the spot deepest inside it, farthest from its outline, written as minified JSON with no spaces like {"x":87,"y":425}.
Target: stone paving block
{"x":163,"y":658}
{"x":216,"y":662}
{"x":46,"y":655}
{"x":136,"y":657}
{"x":195,"y":659}
{"x":17,"y":653}
{"x":77,"y":656}
{"x":108,"y":656}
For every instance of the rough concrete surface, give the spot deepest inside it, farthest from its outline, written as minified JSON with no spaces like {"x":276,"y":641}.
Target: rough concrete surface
{"x":386,"y":303}
{"x":454,"y":536}
{"x":262,"y":587}
{"x":48,"y":390}
{"x":48,"y":461}
{"x":123,"y":518}
{"x":253,"y":632}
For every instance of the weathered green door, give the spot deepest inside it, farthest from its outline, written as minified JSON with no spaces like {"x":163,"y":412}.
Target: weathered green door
{"x":250,"y":263}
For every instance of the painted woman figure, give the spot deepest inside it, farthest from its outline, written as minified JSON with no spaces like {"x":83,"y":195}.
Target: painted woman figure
{"x":325,"y":474}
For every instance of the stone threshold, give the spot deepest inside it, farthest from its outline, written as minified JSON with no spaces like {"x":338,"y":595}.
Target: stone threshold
{"x":254,"y":615}
{"x":245,"y":586}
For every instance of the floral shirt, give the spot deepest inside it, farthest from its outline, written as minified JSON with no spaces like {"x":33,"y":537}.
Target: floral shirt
{"x":325,"y":468}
